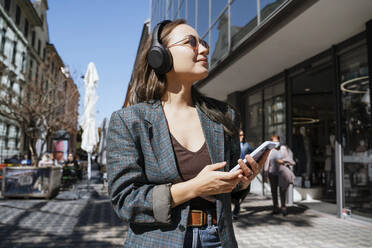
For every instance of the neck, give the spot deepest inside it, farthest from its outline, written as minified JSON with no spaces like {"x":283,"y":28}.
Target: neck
{"x":178,"y":94}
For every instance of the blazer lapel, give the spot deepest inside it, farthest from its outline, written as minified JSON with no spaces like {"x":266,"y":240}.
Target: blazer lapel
{"x":161,"y":143}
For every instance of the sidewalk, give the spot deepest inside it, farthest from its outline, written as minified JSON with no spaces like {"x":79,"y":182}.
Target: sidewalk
{"x":302,"y":227}
{"x":88,"y":221}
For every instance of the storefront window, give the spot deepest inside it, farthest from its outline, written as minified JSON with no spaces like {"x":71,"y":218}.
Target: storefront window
{"x":356,"y":131}
{"x":313,"y":130}
{"x":253,"y":120}
{"x":274,"y":105}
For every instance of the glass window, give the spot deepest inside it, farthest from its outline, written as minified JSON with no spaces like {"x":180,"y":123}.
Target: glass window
{"x":243,"y":19}
{"x":356,"y":131}
{"x":33,"y":38}
{"x":18,"y":15}
{"x":3,"y":40}
{"x":38,"y":47}
{"x":23,"y":66}
{"x":191,"y":12}
{"x":169,"y":9}
{"x":253,"y":125}
{"x":217,"y":8}
{"x":14,"y":54}
{"x":7,"y":136}
{"x":269,"y":6}
{"x":274,"y":107}
{"x":203,"y":17}
{"x":175,"y":8}
{"x":219,"y":40}
{"x":180,"y":14}
{"x":7,"y":5}
{"x":26,"y":27}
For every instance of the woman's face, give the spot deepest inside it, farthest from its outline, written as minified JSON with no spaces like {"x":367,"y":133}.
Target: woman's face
{"x":70,"y":157}
{"x":188,"y":63}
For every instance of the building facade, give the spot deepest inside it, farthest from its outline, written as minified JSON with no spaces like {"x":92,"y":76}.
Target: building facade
{"x":300,"y":69}
{"x":16,"y":20}
{"x":26,"y":56}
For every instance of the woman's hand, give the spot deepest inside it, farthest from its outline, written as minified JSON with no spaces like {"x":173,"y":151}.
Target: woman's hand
{"x":209,"y":181}
{"x":249,"y":173}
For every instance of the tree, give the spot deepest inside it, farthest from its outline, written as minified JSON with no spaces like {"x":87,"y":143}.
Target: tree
{"x":40,"y":108}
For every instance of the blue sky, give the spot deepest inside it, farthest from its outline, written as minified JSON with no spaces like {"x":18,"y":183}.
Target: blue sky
{"x":104,"y":32}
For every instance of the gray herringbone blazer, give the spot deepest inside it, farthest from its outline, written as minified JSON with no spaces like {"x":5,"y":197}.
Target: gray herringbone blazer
{"x":141,"y":166}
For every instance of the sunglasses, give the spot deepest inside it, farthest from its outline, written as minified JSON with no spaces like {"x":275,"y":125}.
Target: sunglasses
{"x":193,"y":41}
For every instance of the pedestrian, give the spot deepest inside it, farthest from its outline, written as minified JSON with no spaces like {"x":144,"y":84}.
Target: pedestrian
{"x":238,"y":197}
{"x":170,"y":151}
{"x":73,"y":165}
{"x":279,"y":175}
{"x":26,"y":160}
{"x":46,"y":160}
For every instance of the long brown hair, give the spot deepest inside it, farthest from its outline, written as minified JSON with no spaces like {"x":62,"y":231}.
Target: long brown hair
{"x":147,"y":85}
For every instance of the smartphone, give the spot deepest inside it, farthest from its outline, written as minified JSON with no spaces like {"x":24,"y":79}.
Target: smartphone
{"x":258,"y":152}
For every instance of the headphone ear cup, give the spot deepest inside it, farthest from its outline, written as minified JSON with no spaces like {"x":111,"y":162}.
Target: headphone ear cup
{"x":160,"y":59}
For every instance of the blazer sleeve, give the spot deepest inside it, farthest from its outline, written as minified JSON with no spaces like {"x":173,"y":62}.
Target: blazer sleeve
{"x":130,"y":192}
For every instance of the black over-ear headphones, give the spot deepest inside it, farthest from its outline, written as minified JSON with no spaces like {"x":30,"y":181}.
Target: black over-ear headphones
{"x":159,"y":57}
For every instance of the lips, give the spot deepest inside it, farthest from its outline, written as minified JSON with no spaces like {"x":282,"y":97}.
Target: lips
{"x":203,"y":59}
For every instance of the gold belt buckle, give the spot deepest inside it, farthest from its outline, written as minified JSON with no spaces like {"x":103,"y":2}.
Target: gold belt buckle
{"x":201,"y":216}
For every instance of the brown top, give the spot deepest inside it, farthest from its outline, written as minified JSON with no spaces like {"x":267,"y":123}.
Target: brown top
{"x":189,"y":165}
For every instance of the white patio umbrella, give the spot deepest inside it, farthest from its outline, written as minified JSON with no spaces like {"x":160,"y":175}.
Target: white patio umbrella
{"x":88,"y":121}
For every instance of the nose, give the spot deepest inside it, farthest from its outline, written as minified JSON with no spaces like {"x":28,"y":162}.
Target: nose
{"x":202,"y":49}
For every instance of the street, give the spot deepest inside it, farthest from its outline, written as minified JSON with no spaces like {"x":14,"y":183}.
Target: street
{"x":90,"y":222}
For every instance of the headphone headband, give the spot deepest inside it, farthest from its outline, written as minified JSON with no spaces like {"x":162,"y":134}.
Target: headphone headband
{"x":157,"y":31}
{"x":158,"y":57}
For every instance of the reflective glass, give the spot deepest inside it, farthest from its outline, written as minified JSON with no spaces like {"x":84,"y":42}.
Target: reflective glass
{"x":181,"y":10}
{"x":170,"y":11}
{"x":157,"y":13}
{"x":313,"y":126}
{"x":356,"y":131}
{"x":243,"y":19}
{"x":253,"y":120}
{"x":175,"y":9}
{"x":274,"y":107}
{"x":269,"y":6}
{"x":203,"y":17}
{"x":191,"y":12}
{"x":217,"y":8}
{"x":219,"y":40}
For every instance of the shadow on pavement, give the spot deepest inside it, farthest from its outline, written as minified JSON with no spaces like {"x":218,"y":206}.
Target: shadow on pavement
{"x":96,"y":226}
{"x":261,"y":214}
{"x":87,"y":222}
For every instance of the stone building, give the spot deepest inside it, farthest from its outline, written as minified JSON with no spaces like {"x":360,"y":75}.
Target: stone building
{"x":26,"y":55}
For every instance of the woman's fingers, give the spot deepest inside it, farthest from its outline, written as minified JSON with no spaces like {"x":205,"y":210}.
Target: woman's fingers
{"x":253,"y":164}
{"x":216,"y":166}
{"x":246,"y":171}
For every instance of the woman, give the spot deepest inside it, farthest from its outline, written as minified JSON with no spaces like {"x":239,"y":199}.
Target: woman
{"x":275,"y":170}
{"x":169,"y":153}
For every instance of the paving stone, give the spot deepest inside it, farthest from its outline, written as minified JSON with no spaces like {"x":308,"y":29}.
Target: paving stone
{"x":91,"y":222}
